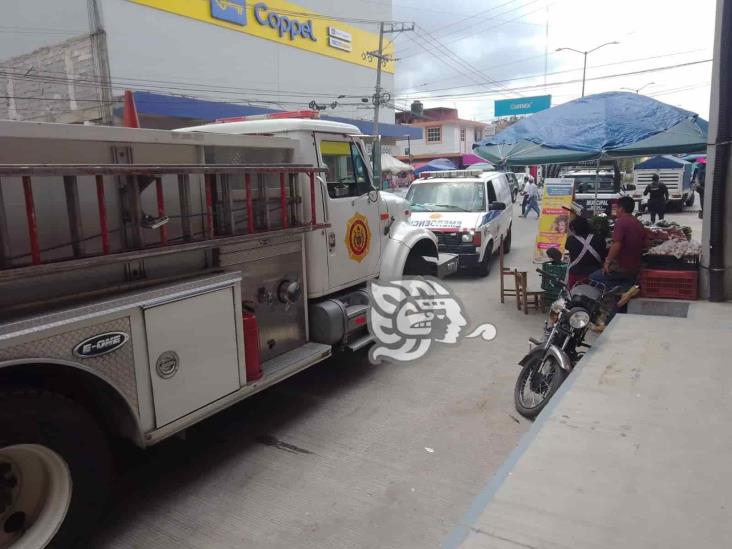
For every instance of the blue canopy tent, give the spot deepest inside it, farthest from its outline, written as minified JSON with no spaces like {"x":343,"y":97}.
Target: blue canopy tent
{"x":664,"y":162}
{"x":597,"y":127}
{"x":437,"y":165}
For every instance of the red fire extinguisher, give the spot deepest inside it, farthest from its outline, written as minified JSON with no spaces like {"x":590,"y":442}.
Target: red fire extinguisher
{"x":251,"y":347}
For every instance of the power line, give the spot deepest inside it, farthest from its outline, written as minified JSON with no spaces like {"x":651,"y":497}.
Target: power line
{"x":478,"y":21}
{"x":468,"y":96}
{"x":473,"y":17}
{"x":665,"y":55}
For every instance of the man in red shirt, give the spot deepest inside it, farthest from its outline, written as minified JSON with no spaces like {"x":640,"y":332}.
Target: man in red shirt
{"x":623,"y":261}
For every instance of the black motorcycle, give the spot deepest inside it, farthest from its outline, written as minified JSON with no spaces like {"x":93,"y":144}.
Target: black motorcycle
{"x":549,"y":362}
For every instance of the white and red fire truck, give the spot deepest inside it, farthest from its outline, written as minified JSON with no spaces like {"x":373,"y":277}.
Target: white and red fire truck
{"x":149,"y":279}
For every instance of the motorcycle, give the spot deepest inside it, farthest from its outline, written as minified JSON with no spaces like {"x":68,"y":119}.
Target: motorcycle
{"x":550,"y":361}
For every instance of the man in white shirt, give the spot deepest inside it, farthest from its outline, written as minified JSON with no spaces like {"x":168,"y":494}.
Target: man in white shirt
{"x":532,"y":194}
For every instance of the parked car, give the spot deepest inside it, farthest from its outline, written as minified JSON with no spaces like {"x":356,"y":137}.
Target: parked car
{"x":468,"y":211}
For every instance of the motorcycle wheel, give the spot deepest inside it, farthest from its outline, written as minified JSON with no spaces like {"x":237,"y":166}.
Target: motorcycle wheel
{"x":536,"y":384}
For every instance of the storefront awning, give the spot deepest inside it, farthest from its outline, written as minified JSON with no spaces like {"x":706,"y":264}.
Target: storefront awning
{"x":155,"y":104}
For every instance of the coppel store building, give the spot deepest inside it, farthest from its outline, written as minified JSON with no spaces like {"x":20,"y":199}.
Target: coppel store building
{"x":193,"y":61}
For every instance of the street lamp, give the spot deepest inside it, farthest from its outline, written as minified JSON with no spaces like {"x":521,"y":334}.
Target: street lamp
{"x":584,"y":68}
{"x":638,"y":90}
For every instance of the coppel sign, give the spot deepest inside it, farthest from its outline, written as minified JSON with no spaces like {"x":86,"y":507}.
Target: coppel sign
{"x":234,"y":11}
{"x":522,"y":105}
{"x":284,"y":25}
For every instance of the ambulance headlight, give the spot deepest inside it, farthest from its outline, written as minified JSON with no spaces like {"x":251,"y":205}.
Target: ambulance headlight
{"x":468,"y":237}
{"x":579,"y":319}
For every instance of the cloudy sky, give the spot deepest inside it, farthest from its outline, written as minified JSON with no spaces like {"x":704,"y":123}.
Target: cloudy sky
{"x":467,"y":53}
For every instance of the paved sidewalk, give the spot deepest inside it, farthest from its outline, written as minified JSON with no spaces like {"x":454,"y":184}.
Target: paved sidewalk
{"x":634,"y":451}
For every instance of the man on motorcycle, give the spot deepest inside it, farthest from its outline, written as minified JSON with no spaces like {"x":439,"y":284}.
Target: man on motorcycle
{"x":623,"y":261}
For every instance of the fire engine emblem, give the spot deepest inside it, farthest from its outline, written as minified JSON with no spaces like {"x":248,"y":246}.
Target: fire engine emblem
{"x":435,"y":216}
{"x":358,"y":237}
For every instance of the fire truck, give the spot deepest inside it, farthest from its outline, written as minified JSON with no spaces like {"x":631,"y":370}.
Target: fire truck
{"x":149,"y":279}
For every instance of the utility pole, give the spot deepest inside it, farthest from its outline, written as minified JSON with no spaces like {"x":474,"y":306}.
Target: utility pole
{"x":380,"y":97}
{"x":100,"y":58}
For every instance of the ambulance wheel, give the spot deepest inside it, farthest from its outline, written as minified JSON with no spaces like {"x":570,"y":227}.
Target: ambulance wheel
{"x":507,"y":242}
{"x":483,"y":268}
{"x":55,"y":469}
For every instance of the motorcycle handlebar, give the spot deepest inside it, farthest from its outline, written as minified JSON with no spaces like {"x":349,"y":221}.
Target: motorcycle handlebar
{"x":552,"y":277}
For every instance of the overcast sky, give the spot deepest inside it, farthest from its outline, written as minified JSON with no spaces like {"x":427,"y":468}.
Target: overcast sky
{"x":506,"y":40}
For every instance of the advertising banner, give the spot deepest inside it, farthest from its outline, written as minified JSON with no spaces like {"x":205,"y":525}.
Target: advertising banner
{"x":283,"y":22}
{"x":554,"y":219}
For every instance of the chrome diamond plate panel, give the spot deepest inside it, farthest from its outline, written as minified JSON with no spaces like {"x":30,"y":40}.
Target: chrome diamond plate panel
{"x":117,"y":367}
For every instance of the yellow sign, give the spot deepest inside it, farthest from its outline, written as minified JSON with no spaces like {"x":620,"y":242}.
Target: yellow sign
{"x":554,"y":219}
{"x":285,"y":23}
{"x":358,"y":237}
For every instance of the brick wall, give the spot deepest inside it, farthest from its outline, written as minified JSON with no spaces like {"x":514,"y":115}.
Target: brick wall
{"x":52,"y":84}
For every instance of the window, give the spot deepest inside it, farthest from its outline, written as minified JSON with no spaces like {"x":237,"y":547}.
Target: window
{"x":462,"y":134}
{"x":454,"y":196}
{"x":478,"y":135}
{"x":586,"y":183}
{"x":434,"y":135}
{"x":347,"y":174}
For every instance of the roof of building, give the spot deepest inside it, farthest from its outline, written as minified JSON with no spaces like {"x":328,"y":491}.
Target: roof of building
{"x":156,"y":104}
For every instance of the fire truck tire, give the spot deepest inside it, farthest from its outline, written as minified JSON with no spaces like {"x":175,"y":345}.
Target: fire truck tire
{"x":47,"y":436}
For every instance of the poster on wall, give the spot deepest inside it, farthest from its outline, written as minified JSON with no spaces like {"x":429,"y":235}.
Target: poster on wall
{"x":554,"y":219}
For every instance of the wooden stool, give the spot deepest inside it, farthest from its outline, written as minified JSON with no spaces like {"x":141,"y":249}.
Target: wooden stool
{"x":524,"y":297}
{"x":505,"y":290}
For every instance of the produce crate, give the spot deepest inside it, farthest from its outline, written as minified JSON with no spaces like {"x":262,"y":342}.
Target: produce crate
{"x":669,"y":284}
{"x":551,"y":288}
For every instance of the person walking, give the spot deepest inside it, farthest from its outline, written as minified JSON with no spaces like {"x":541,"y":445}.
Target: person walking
{"x":587,"y":251}
{"x":700,"y":175}
{"x":658,"y":196}
{"x":532,"y":192}
{"x":525,"y":200}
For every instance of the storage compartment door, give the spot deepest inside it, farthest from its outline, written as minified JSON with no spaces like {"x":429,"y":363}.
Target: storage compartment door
{"x":193,"y":353}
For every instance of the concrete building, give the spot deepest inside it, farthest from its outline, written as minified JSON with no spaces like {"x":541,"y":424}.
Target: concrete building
{"x":191,"y":61}
{"x":445,"y":135}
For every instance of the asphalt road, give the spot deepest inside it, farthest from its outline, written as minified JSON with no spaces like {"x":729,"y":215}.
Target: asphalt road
{"x":344,"y":455}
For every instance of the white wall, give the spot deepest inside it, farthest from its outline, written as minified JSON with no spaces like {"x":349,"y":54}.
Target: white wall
{"x":145,"y":43}
{"x":450,"y":141}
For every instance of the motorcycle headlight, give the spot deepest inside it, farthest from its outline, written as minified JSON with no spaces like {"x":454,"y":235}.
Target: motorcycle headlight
{"x":557,"y":306}
{"x":468,"y":237}
{"x":579,"y":319}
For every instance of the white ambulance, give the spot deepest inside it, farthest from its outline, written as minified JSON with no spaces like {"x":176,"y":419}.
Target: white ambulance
{"x":467,"y":210}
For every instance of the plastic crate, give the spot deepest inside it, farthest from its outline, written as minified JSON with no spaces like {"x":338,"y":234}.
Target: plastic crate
{"x":669,"y":284}
{"x":551,"y":288}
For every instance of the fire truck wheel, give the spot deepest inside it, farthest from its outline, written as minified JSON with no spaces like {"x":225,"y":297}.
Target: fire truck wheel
{"x":55,"y":470}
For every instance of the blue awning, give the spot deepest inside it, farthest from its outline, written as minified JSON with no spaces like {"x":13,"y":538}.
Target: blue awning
{"x":156,"y":104}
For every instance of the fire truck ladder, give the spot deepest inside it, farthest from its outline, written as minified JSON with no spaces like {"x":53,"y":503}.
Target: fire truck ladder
{"x":218,"y":215}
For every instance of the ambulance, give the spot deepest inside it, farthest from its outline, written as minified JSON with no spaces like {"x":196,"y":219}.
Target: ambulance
{"x":469,"y":211}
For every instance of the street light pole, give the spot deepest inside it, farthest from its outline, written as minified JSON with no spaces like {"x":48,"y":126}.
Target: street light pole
{"x":585,"y":54}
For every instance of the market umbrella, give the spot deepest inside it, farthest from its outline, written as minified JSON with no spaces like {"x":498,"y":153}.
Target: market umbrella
{"x":436,"y":165}
{"x":389,"y":164}
{"x":602,"y":126}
